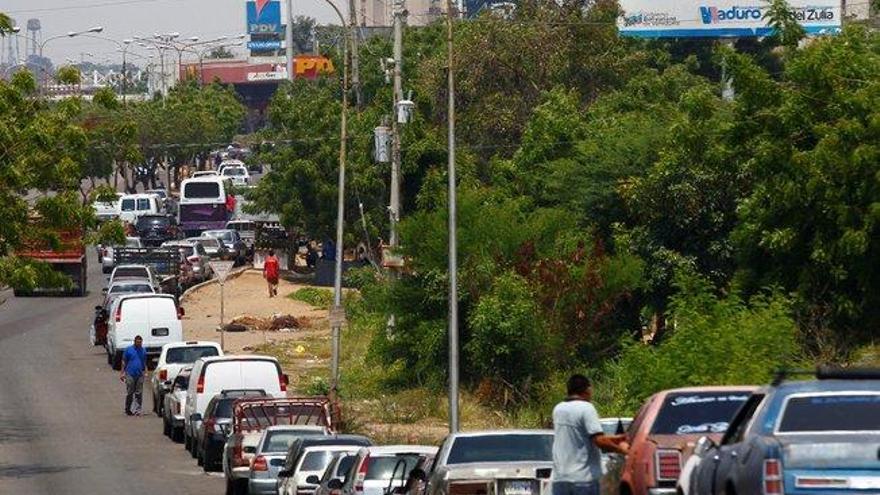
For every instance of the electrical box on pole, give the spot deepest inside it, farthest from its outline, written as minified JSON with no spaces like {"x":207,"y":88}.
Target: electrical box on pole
{"x":382,"y":144}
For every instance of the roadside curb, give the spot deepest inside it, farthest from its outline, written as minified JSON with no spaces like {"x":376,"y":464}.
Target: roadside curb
{"x":233,"y":274}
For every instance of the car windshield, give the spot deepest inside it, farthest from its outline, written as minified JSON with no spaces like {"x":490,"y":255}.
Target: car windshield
{"x":382,"y":468}
{"x":315,"y":460}
{"x":131,"y":289}
{"x":279,"y":441}
{"x":224,"y":408}
{"x":201,"y":190}
{"x":343,"y":465}
{"x":234,"y":171}
{"x":128,"y":204}
{"x":189,"y":354}
{"x":148,"y":222}
{"x":501,"y":448}
{"x":133,"y":242}
{"x":697,"y":413}
{"x":210,"y":243}
{"x":131,"y":272}
{"x":853,"y":412}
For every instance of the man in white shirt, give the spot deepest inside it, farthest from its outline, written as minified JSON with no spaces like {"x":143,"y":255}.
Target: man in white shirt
{"x":578,"y":442}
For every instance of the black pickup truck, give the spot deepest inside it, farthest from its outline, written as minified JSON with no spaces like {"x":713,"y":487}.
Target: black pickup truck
{"x":156,"y":229}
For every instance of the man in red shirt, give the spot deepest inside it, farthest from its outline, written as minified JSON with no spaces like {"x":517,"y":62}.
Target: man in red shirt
{"x":270,"y":271}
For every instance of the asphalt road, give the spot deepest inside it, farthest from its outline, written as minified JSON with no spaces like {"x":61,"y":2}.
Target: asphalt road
{"x":62,"y":429}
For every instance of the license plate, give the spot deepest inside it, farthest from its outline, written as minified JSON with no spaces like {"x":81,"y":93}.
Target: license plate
{"x":517,"y":488}
{"x":160,"y":332}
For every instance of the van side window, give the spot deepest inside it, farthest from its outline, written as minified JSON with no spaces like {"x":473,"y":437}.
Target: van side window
{"x":143,"y":204}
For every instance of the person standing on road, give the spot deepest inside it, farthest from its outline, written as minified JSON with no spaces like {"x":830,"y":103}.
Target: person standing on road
{"x":579,"y":440}
{"x":134,"y":365}
{"x":270,"y":271}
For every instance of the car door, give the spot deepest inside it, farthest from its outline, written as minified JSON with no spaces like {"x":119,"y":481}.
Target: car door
{"x":733,"y":452}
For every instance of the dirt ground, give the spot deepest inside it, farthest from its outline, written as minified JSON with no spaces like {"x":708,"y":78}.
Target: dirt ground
{"x":247,"y":294}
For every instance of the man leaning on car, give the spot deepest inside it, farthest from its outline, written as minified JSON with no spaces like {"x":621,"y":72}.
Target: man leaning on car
{"x":578,"y":439}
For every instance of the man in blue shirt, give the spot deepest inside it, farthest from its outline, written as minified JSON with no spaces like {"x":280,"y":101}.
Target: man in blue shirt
{"x":578,"y":442}
{"x":134,"y":364}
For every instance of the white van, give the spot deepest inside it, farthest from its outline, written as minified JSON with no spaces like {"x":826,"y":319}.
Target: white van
{"x":155,"y":317}
{"x":202,"y":205}
{"x":212,"y":375}
{"x":131,"y":206}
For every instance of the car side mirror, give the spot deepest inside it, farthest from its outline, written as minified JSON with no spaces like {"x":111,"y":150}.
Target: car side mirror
{"x":195,"y":417}
{"x":704,"y":444}
{"x":104,"y":291}
{"x":285,"y":473}
{"x":313,"y":480}
{"x":418,"y":474}
{"x":335,"y":484}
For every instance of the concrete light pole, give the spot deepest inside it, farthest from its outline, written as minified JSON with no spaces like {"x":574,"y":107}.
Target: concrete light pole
{"x":453,"y":248}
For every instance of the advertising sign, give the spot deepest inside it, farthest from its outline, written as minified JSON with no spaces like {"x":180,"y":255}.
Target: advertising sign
{"x":266,"y":76}
{"x":263,"y":17}
{"x":310,"y":67}
{"x":719,"y":18}
{"x":264,"y":45}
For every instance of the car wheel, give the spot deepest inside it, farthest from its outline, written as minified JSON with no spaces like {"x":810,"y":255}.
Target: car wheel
{"x":186,"y":441}
{"x":166,"y":427}
{"x":230,"y":487}
{"x":193,"y":448}
{"x":117,"y":360}
{"x":176,"y":434}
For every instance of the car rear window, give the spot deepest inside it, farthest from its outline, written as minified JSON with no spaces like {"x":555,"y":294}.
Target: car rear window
{"x":146,"y":222}
{"x":132,"y":243}
{"x":279,"y":441}
{"x":233,"y":171}
{"x":343,"y":465}
{"x":839,"y":412}
{"x":131,"y":289}
{"x":315,"y":460}
{"x":189,"y":354}
{"x":501,"y":448}
{"x":201,"y":190}
{"x":698,"y":412}
{"x":133,"y":271}
{"x":381,"y":468}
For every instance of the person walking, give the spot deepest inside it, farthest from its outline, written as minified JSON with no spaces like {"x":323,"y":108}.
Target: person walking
{"x":579,"y":440}
{"x":134,"y":365}
{"x":270,"y":271}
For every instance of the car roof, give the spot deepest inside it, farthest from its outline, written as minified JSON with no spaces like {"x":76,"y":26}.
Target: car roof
{"x":138,"y":196}
{"x":191,"y":343}
{"x":217,"y":231}
{"x":208,"y":178}
{"x":132,"y":266}
{"x":180,"y":242}
{"x":391,"y":450}
{"x":126,"y":297}
{"x":831,"y":385}
{"x":238,"y":357}
{"x":708,"y":388}
{"x":313,"y":441}
{"x":485,"y":433}
{"x":129,"y":281}
{"x":295,"y":428}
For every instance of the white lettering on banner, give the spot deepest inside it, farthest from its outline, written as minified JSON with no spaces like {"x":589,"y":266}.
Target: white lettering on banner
{"x":267,"y":76}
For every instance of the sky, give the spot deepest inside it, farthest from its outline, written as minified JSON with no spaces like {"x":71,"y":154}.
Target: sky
{"x":123,"y":19}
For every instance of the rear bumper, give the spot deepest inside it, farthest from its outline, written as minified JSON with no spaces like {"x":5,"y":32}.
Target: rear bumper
{"x":240,"y":472}
{"x":262,"y":487}
{"x":661,"y":491}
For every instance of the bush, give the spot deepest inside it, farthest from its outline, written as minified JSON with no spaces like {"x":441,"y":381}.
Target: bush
{"x":715,"y":341}
{"x":507,"y":341}
{"x":320,"y":298}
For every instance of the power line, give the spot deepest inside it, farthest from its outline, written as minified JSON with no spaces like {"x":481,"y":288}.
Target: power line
{"x":84,"y":6}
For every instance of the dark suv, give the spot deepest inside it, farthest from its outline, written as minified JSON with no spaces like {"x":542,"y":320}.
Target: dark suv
{"x":214,"y":427}
{"x":156,"y":229}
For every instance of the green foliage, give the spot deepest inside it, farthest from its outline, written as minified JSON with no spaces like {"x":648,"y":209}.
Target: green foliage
{"x":319,"y":298}
{"x":716,"y":340}
{"x":68,"y":75}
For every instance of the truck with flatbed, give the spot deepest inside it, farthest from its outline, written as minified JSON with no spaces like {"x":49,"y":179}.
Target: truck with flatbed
{"x":68,"y":256}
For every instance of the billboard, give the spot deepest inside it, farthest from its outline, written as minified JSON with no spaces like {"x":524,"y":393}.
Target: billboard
{"x":719,"y":18}
{"x":263,"y":17}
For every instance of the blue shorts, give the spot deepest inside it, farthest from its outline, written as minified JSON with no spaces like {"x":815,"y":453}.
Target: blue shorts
{"x":575,"y":488}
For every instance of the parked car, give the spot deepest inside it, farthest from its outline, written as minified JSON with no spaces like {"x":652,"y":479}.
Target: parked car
{"x":214,"y":248}
{"x":155,"y":317}
{"x":156,"y":229}
{"x":250,"y":417}
{"x":292,"y":477}
{"x":214,"y":427}
{"x":271,"y":451}
{"x":335,"y":473}
{"x":106,"y":253}
{"x":129,"y":272}
{"x":129,"y":286}
{"x":132,"y":206}
{"x":172,"y":358}
{"x":238,"y":174}
{"x":235,"y":247}
{"x":820,"y":436}
{"x":246,"y":229}
{"x":172,"y":405}
{"x":665,"y":430}
{"x":196,"y":257}
{"x":212,"y":375}
{"x":377,"y":469}
{"x":107,"y":210}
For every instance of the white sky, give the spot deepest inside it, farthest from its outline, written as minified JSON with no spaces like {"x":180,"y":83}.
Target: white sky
{"x":123,"y":19}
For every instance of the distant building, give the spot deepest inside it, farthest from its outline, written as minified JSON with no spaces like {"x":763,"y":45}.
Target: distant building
{"x":380,"y":13}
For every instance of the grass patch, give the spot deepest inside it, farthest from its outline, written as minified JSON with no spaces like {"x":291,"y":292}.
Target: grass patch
{"x":319,"y":298}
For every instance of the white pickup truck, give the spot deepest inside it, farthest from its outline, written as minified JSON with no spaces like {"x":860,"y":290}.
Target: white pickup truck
{"x":172,"y":359}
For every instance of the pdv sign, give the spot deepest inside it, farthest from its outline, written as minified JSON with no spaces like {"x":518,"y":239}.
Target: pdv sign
{"x":263,"y":17}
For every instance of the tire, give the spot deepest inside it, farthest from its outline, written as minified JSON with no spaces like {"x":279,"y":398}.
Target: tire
{"x":200,"y":460}
{"x":109,"y":358}
{"x":193,"y":448}
{"x":230,"y":487}
{"x":166,"y":427}
{"x":117,"y":360}
{"x":186,"y":442}
{"x":176,"y":434}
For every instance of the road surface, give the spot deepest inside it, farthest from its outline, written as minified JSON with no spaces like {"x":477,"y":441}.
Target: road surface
{"x":62,"y":427}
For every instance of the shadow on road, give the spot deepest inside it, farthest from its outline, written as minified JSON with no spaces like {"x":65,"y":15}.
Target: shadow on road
{"x":16,"y":430}
{"x":31,"y":470}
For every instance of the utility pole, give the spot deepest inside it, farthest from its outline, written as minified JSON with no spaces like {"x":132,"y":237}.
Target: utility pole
{"x":394,"y":210}
{"x":453,"y":249}
{"x":355,"y":65}
{"x":288,"y":40}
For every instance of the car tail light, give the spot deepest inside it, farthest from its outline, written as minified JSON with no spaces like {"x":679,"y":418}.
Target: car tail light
{"x":238,"y":454}
{"x":209,"y":425}
{"x":179,"y":407}
{"x":282,"y":380}
{"x":260,"y":464}
{"x":668,"y":465}
{"x":362,"y":474}
{"x":163,"y":375}
{"x":180,"y":313}
{"x":200,"y":385}
{"x":772,"y":477}
{"x":119,"y":313}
